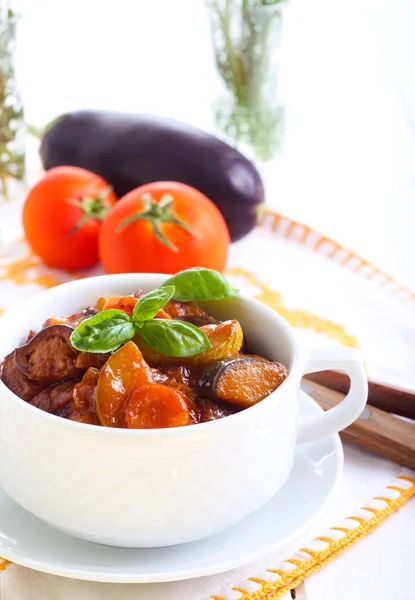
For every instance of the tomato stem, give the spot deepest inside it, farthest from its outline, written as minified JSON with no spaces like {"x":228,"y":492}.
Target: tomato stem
{"x":158,"y":213}
{"x":92,"y":208}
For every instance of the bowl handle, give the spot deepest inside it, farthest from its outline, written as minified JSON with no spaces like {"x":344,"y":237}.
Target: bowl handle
{"x":341,"y":416}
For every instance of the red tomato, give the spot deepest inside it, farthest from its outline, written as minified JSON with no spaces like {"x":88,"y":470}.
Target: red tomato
{"x":163,"y":227}
{"x":62,"y":216}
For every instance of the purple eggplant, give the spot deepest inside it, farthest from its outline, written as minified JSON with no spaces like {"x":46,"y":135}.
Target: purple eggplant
{"x":130,"y":150}
{"x":241,"y":379}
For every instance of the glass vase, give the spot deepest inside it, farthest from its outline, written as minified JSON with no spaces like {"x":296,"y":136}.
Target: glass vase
{"x":12,"y":125}
{"x":248,"y":110}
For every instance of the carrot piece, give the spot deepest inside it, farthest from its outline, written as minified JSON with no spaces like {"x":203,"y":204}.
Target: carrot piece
{"x":156,"y":406}
{"x":124,"y":370}
{"x":162,"y":314}
{"x":125,"y":303}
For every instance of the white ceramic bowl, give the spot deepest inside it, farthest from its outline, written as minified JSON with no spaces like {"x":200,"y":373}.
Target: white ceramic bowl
{"x":151,"y":488}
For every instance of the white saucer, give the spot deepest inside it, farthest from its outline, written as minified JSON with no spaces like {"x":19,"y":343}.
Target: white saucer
{"x":26,"y":540}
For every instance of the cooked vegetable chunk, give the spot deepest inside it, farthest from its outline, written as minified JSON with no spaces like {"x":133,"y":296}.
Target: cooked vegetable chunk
{"x":83,"y":400}
{"x":125,"y":303}
{"x":91,"y":359}
{"x":17,"y":381}
{"x":55,"y":399}
{"x":216,"y":409}
{"x":49,"y":357}
{"x":156,"y":405}
{"x":124,"y":370}
{"x":244,"y":380}
{"x":181,"y":374}
{"x":188,"y":311}
{"x":192,"y":401}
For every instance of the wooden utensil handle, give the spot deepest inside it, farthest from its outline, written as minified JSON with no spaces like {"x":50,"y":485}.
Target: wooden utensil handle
{"x":376,"y":431}
{"x":387,"y":398}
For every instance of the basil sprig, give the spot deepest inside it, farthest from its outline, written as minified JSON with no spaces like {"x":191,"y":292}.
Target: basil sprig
{"x":104,"y":332}
{"x":200,"y":284}
{"x":174,"y":338}
{"x":108,"y":329}
{"x":149,"y":304}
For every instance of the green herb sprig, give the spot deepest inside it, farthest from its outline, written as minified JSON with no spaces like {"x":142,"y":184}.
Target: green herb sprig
{"x":245,"y":42}
{"x":108,"y":329}
{"x":12,"y":127}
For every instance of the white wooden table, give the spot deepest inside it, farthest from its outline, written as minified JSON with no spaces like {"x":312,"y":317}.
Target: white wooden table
{"x":347,"y":169}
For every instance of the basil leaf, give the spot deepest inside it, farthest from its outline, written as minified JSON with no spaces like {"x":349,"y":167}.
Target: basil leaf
{"x":148,"y":305}
{"x":200,"y":284}
{"x":104,"y":332}
{"x":174,"y":338}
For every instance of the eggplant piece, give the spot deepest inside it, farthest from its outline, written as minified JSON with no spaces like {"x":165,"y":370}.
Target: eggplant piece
{"x":242,"y":380}
{"x":55,"y":399}
{"x":129,"y":150}
{"x":97,"y":360}
{"x":82,"y":407}
{"x":16,"y":381}
{"x":49,"y":357}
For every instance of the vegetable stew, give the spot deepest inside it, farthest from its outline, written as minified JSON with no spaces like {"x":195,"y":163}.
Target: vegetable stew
{"x":143,"y":361}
